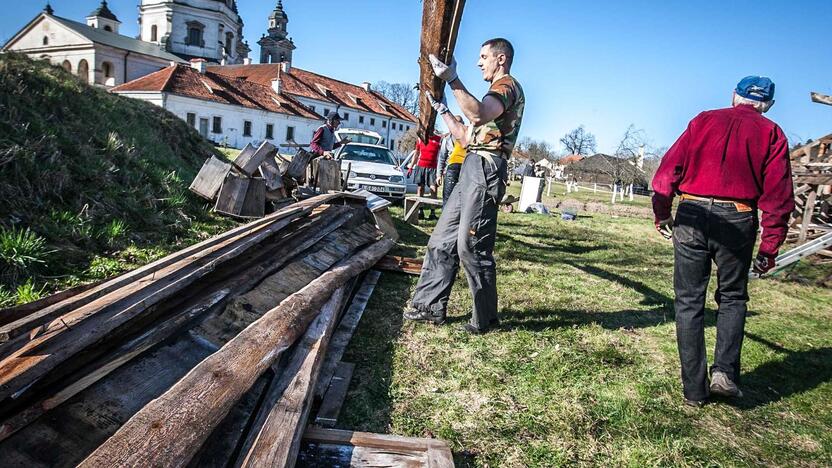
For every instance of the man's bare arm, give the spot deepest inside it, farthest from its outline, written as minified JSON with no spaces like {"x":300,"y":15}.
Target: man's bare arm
{"x":458,"y":131}
{"x":477,"y":112}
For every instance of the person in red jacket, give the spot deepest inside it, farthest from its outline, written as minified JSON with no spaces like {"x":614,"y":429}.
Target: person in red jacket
{"x":728,"y":164}
{"x":425,"y":161}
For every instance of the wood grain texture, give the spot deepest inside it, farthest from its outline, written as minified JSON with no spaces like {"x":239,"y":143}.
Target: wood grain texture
{"x":208,"y":181}
{"x":335,"y":395}
{"x":298,"y":164}
{"x":329,"y":175}
{"x":440,"y":25}
{"x":254,"y":205}
{"x":411,"y":266}
{"x":232,"y":195}
{"x":278,"y":441}
{"x":249,"y":161}
{"x":433,"y":453}
{"x":171,"y":429}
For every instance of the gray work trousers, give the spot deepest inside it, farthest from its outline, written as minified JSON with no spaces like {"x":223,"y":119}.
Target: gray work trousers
{"x":465,"y":233}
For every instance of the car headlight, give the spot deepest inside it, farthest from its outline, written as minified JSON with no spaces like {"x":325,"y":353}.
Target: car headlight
{"x":396,"y":179}
{"x":353,"y":174}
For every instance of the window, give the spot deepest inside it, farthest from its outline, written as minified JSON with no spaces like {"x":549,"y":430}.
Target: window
{"x":372,"y":122}
{"x":367,"y":154}
{"x":361,"y":119}
{"x":383,"y":124}
{"x":84,"y":71}
{"x":229,"y":42}
{"x":108,"y":28}
{"x":45,"y":40}
{"x":67,"y":66}
{"x":346,"y":116}
{"x":217,"y":125}
{"x":326,"y":112}
{"x":154,"y":33}
{"x":401,"y":127}
{"x":247,"y":128}
{"x":392,"y":144}
{"x":194,"y":37}
{"x":269,"y":131}
{"x":191,"y":118}
{"x":408,"y":128}
{"x":290,"y":133}
{"x":107,"y":69}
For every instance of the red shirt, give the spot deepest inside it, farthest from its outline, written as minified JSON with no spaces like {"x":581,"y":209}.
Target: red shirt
{"x":428,"y":153}
{"x":734,"y":154}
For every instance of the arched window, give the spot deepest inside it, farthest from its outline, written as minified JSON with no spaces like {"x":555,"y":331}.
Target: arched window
{"x":67,"y":66}
{"x":154,"y":33}
{"x":108,"y":28}
{"x":45,"y":40}
{"x":229,"y":42}
{"x":84,"y":71}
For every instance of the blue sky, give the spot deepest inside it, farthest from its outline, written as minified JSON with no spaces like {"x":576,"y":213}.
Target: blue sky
{"x":604,"y":64}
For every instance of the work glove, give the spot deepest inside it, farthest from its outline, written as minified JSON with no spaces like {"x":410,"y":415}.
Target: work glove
{"x":665,"y":227}
{"x":409,"y":171}
{"x":764,"y":263}
{"x":439,"y":106}
{"x":445,"y":72}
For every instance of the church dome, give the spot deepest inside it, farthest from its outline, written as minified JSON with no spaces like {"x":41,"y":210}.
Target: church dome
{"x":278,"y":12}
{"x":104,"y":11}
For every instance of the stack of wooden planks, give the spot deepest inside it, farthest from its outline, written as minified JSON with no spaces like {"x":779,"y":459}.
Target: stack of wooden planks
{"x":812,"y":171}
{"x":210,"y":356}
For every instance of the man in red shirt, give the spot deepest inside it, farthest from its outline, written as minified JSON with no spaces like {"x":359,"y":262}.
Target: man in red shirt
{"x":727,"y":164}
{"x":424,"y":162}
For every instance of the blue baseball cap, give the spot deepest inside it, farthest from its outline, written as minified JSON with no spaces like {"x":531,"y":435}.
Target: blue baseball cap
{"x":757,"y":88}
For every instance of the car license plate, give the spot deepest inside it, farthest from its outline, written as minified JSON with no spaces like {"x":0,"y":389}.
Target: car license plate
{"x":374,"y":188}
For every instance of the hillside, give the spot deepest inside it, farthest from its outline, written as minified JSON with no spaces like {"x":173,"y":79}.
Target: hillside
{"x":92,"y":183}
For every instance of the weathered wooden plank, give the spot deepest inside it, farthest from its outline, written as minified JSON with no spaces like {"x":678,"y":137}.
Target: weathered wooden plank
{"x":232,"y":195}
{"x":329,"y":176}
{"x":343,"y":335}
{"x":440,"y":25}
{"x":36,"y":358}
{"x":120,"y":356}
{"x":440,"y":455}
{"x":13,"y":314}
{"x":384,"y":221}
{"x":270,"y":172}
{"x":277,"y":442}
{"x":249,"y":161}
{"x":298,"y":164}
{"x":169,"y":430}
{"x":808,"y":213}
{"x":335,"y":395}
{"x":254,"y":204}
{"x":411,"y":266}
{"x":210,"y":178}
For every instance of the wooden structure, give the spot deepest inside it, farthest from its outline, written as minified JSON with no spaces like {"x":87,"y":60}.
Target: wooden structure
{"x":440,"y":25}
{"x":329,"y":447}
{"x":812,"y":172}
{"x":410,"y":266}
{"x":412,"y":205}
{"x":179,"y":362}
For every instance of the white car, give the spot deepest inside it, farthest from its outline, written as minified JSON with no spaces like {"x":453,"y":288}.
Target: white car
{"x":356,"y":135}
{"x":372,"y":168}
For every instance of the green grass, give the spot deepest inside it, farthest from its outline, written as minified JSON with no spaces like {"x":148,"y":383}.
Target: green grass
{"x":584,"y":370}
{"x":87,"y":177}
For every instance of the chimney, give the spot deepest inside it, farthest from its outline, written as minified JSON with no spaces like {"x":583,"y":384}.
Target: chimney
{"x":276,"y":83}
{"x":366,"y":86}
{"x":198,"y":64}
{"x":246,"y":61}
{"x":286,"y":67}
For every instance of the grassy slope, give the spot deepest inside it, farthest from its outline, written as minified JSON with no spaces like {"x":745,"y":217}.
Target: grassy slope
{"x":584,"y":368}
{"x":101,"y":178}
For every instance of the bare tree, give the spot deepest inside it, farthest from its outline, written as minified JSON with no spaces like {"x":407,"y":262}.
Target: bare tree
{"x":402,"y":94}
{"x":407,"y":142}
{"x":536,"y":150}
{"x":579,"y":141}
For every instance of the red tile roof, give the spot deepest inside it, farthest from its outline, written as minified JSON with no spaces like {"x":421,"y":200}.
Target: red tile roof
{"x":572,"y":158}
{"x":183,"y":80}
{"x":306,"y":84}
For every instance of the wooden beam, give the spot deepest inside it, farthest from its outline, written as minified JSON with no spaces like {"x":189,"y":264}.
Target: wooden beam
{"x":335,"y":395}
{"x":411,"y":266}
{"x":208,"y":181}
{"x":278,"y":441}
{"x":437,"y":451}
{"x":249,"y":161}
{"x":808,"y":213}
{"x":171,"y":429}
{"x":821,"y":98}
{"x":440,"y":25}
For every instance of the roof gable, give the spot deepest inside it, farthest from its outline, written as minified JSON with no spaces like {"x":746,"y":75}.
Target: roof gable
{"x":31,"y":35}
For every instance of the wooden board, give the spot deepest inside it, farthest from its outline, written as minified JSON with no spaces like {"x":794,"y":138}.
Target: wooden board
{"x":249,"y":160}
{"x":328,"y":175}
{"x":440,"y":25}
{"x":171,"y":429}
{"x":411,"y":266}
{"x":298,"y":164}
{"x":270,"y":172}
{"x":332,"y":447}
{"x":232,"y":195}
{"x":278,"y":441}
{"x":384,"y":221}
{"x":254,"y":204}
{"x":343,"y":335}
{"x":335,"y":395}
{"x":210,"y":178}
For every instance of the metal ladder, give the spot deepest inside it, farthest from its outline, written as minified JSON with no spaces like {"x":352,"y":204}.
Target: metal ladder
{"x":797,"y":253}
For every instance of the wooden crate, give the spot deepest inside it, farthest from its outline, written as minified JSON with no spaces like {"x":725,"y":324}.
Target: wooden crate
{"x":210,"y":178}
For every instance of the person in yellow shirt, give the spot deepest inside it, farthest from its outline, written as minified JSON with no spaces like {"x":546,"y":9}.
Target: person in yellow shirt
{"x":451,"y":155}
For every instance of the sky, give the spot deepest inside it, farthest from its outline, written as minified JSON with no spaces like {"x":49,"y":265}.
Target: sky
{"x":604,"y":64}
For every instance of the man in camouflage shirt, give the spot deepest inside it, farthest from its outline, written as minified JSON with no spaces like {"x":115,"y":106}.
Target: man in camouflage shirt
{"x":467,"y":229}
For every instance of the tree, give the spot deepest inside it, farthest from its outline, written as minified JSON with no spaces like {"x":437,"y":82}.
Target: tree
{"x":579,"y":141}
{"x":403,"y":94}
{"x":536,"y":150}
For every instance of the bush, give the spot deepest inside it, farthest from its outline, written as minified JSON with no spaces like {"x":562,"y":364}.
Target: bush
{"x":21,"y":253}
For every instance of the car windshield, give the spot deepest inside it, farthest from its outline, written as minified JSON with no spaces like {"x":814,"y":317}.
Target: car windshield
{"x":362,"y":138}
{"x":367,"y":154}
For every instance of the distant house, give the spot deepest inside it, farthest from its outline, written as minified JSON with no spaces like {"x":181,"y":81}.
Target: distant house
{"x":605,"y":169}
{"x":225,"y":109}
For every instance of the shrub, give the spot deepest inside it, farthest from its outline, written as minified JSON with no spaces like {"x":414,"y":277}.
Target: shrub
{"x":21,"y":252}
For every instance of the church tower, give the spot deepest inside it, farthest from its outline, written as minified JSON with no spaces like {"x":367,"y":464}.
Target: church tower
{"x":103,"y":18}
{"x":276,"y":47}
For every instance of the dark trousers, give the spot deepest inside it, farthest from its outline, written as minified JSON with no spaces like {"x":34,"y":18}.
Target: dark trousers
{"x":450,"y":180}
{"x":465,"y":233}
{"x":703,"y":233}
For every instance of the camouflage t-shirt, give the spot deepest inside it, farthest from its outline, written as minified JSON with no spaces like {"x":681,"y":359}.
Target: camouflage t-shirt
{"x":500,"y":135}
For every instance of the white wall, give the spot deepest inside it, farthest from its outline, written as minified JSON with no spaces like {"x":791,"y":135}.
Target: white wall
{"x":233,"y":118}
{"x":59,"y":36}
